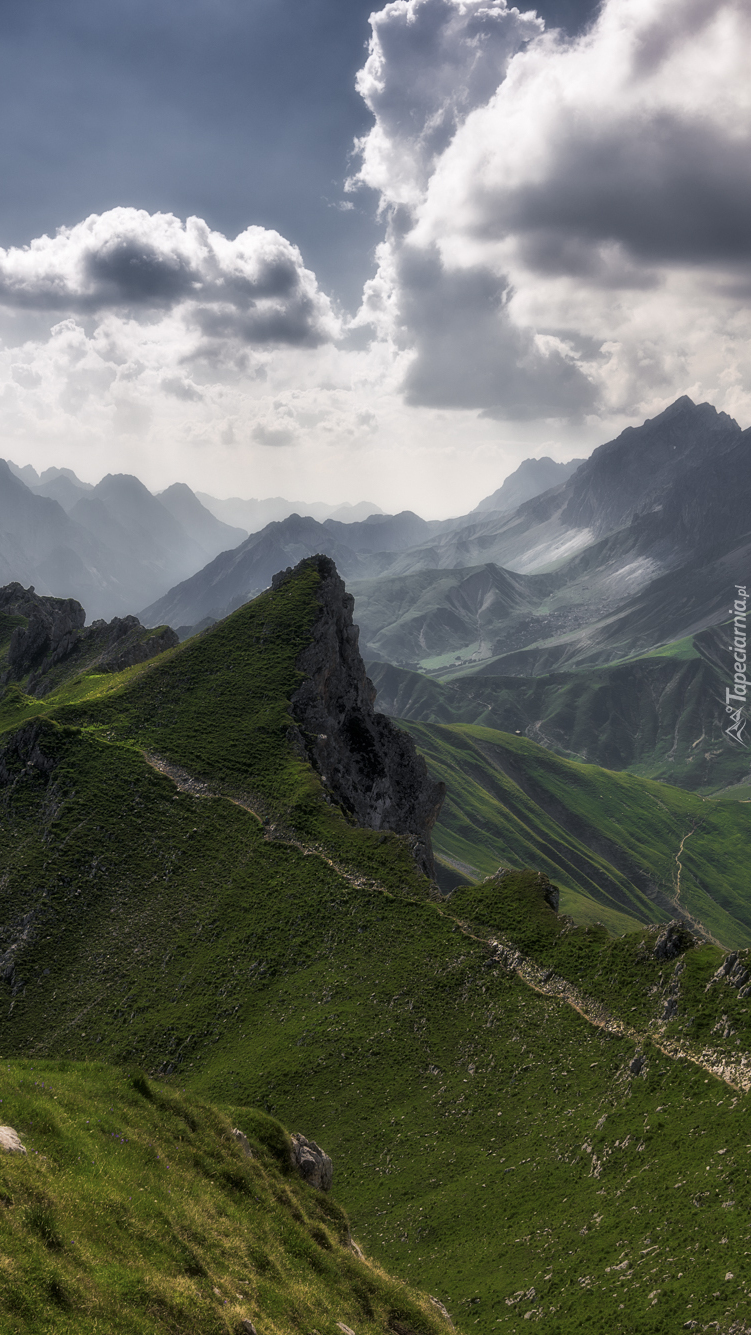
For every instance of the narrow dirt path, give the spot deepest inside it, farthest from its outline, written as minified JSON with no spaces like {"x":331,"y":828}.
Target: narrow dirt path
{"x":272,"y":832}
{"x":677,"y":897}
{"x":733,"y":1072}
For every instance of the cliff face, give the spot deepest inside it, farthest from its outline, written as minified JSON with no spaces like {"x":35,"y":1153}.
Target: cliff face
{"x":368,"y":765}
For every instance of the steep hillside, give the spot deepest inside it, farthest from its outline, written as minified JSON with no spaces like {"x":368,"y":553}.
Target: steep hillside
{"x":210,"y":533}
{"x":623,"y":850}
{"x":532,"y":477}
{"x":235,"y":577}
{"x":362,"y":547}
{"x":135,"y":1209}
{"x":661,"y":716}
{"x":687,"y":450}
{"x":509,"y":1100}
{"x":113,"y":546}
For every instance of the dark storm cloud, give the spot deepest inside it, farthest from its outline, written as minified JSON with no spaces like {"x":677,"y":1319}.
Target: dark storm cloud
{"x":128,"y":273}
{"x":293,"y":324}
{"x":680,"y":193}
{"x":470,"y":355}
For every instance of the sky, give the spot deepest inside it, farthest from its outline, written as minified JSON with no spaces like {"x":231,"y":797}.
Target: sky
{"x":299,"y":248}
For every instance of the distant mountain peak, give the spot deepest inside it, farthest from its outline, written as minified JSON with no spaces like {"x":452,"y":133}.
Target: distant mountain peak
{"x":704,"y":411}
{"x":530,"y":479}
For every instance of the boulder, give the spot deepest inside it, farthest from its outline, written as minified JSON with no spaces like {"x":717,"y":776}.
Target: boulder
{"x":10,"y":1141}
{"x":312,"y":1162}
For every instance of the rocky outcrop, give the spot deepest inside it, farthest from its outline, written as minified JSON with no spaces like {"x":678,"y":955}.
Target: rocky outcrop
{"x":734,"y":971}
{"x":312,"y":1162}
{"x":127,"y":642}
{"x":53,"y":642}
{"x":243,"y":1142}
{"x":673,"y":940}
{"x":368,"y":765}
{"x":52,"y":628}
{"x":22,"y":754}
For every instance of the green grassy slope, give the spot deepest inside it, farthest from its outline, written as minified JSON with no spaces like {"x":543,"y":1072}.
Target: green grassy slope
{"x":289,"y":961}
{"x":623,"y":849}
{"x":661,"y":716}
{"x":136,"y":1210}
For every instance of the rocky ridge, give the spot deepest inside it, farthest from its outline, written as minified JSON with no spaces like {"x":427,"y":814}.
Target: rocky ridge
{"x":368,"y":765}
{"x":49,"y":640}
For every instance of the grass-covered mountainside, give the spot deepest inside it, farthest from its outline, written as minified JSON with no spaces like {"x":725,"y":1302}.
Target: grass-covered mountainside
{"x":623,"y":850}
{"x":136,"y":1210}
{"x":530,"y":1120}
{"x":661,"y":715}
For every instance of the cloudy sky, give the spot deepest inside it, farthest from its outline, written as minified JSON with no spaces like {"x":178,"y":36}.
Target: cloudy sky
{"x":293,"y":247}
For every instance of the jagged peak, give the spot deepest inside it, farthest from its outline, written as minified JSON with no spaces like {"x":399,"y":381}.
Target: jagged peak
{"x":368,"y":766}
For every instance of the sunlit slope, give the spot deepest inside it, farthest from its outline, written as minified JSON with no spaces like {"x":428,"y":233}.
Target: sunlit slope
{"x":135,"y":1210}
{"x":622,"y":848}
{"x":217,"y":708}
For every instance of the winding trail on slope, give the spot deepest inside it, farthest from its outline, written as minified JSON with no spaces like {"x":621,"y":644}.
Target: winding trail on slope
{"x":679,"y":865}
{"x":255,"y":807}
{"x":733,"y":1072}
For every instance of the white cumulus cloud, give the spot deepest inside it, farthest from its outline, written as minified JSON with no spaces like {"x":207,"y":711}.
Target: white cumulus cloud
{"x":570,"y":220}
{"x":254,"y":289}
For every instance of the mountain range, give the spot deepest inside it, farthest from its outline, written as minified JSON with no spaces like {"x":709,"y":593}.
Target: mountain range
{"x":637,"y":547}
{"x":218,"y":917}
{"x":583,"y":610}
{"x":106,"y":545}
{"x":594,"y":618}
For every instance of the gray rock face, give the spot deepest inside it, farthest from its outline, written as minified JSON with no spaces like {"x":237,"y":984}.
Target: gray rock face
{"x":312,"y":1162}
{"x":126,"y":643}
{"x":734,"y":972}
{"x":368,"y":765}
{"x":243,"y":1142}
{"x":52,"y":627}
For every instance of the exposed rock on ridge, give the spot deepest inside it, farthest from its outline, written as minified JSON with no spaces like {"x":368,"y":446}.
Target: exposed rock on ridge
{"x":369,"y":766}
{"x":52,"y":628}
{"x":55,"y":639}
